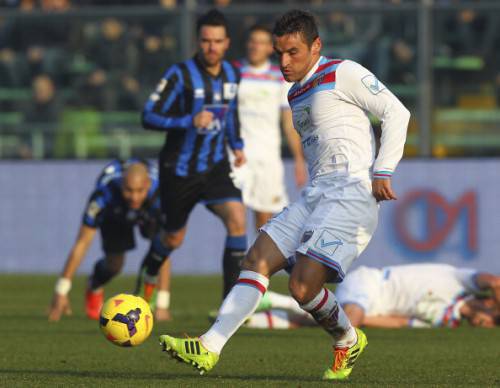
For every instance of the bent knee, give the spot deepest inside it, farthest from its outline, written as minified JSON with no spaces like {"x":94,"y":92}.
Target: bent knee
{"x":255,"y":261}
{"x":114,"y":264}
{"x":301,"y":292}
{"x":173,"y":240}
{"x":235,"y":225}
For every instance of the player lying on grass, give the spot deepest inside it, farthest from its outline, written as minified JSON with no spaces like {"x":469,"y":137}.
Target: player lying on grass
{"x":416,"y":295}
{"x":125,"y":196}
{"x":335,"y":217}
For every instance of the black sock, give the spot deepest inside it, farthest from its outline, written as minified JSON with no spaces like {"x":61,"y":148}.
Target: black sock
{"x":101,"y":275}
{"x":234,"y":253}
{"x":156,"y":256}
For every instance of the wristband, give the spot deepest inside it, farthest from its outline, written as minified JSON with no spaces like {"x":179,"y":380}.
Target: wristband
{"x":382,"y":174}
{"x":63,"y":285}
{"x":163,"y":299}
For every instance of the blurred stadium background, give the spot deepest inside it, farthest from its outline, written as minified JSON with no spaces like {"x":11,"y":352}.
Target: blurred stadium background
{"x":75,"y":74}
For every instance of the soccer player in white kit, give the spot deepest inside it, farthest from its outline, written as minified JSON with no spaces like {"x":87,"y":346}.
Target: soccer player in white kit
{"x":333,"y":221}
{"x":262,"y":107}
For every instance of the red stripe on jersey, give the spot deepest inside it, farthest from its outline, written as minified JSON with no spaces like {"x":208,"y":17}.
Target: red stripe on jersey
{"x":253,"y":283}
{"x":328,"y":64}
{"x":320,"y":79}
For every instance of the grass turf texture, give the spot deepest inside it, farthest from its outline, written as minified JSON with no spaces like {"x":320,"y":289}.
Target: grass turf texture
{"x":73,"y":352}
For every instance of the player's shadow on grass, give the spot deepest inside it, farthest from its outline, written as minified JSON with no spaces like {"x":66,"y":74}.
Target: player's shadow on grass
{"x":278,"y":333}
{"x":249,"y":332}
{"x":152,"y":375}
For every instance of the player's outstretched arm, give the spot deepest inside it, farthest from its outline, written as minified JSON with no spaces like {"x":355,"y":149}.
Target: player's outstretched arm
{"x":358,"y":318}
{"x":386,"y":321}
{"x":60,"y":301}
{"x":293,"y":140}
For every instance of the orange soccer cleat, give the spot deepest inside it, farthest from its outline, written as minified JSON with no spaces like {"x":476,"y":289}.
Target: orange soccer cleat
{"x":93,"y":303}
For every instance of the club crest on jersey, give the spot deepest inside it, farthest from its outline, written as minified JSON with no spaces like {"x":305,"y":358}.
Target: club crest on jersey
{"x":229,"y":90}
{"x":328,"y":243}
{"x":318,"y":80}
{"x":372,"y":84}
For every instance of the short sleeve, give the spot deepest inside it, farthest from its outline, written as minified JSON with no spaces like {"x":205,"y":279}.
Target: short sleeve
{"x":92,"y":215}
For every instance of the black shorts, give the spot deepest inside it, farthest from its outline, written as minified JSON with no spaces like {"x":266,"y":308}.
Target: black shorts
{"x":117,"y":235}
{"x":179,"y":194}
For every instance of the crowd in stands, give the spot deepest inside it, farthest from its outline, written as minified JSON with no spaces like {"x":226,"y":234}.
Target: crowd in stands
{"x":108,"y":63}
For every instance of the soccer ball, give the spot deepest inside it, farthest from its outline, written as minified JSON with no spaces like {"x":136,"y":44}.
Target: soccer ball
{"x":126,"y":320}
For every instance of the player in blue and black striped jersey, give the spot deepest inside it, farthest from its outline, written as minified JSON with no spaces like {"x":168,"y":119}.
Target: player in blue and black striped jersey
{"x":195,"y":103}
{"x":125,"y":196}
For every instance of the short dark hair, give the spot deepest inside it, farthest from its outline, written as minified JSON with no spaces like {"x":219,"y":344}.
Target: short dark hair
{"x":297,"y":21}
{"x":212,"y":18}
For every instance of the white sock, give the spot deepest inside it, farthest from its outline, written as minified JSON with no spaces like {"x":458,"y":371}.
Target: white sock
{"x":329,"y":314}
{"x":271,"y":319}
{"x":239,"y":304}
{"x":284,"y":302}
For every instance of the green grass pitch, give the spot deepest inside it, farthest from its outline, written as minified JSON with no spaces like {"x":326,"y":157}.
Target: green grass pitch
{"x":73,"y":352}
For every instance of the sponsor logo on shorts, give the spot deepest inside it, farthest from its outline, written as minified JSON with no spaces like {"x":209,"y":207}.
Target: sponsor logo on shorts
{"x":328,"y":243}
{"x":306,"y":236}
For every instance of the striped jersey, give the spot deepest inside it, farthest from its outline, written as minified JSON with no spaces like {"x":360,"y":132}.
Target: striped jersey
{"x":330,"y":109}
{"x":185,"y":90}
{"x":262,"y":95}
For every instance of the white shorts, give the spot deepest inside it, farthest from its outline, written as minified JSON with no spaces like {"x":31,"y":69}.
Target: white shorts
{"x":262,"y":185}
{"x":332,"y":222}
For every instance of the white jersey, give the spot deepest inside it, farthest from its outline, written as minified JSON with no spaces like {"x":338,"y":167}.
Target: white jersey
{"x":432,"y":293}
{"x":262,"y":94}
{"x":330,"y":111}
